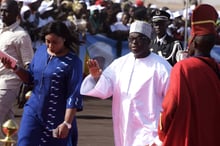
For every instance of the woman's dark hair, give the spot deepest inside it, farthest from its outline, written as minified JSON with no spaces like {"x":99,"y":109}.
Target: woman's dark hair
{"x":60,"y":29}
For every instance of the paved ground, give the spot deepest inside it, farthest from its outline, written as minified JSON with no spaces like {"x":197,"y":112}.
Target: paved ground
{"x":94,"y":122}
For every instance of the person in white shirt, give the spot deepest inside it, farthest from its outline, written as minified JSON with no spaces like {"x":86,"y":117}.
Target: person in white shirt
{"x":137,"y":83}
{"x":17,"y":43}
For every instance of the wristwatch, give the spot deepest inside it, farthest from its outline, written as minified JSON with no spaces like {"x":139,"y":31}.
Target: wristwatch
{"x":69,"y":126}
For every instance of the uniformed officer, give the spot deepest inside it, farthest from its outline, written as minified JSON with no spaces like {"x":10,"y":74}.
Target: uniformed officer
{"x":163,"y":44}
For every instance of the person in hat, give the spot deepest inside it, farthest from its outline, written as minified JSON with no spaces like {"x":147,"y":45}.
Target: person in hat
{"x":137,"y":83}
{"x":163,"y":44}
{"x":190,"y":110}
{"x":30,"y":18}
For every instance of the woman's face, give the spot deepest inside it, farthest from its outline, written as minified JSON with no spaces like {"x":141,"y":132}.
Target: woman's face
{"x":54,"y":43}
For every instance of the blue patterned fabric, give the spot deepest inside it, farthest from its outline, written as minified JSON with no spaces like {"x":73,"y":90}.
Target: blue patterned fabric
{"x":57,"y":81}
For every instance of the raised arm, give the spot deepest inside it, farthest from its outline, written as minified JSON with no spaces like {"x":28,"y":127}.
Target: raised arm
{"x":94,"y":69}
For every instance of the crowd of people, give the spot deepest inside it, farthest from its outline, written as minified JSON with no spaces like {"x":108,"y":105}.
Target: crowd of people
{"x":158,"y":97}
{"x":111,"y":19}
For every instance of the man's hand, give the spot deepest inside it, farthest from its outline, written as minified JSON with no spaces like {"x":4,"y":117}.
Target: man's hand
{"x":7,"y":63}
{"x":94,"y":69}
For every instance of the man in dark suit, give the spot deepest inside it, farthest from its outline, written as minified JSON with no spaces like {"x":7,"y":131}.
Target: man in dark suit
{"x":163,"y":44}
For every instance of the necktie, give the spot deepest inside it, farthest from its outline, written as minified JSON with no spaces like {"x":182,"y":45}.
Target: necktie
{"x":159,"y":43}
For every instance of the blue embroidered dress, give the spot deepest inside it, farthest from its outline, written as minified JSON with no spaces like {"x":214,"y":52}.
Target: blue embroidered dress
{"x":57,"y":81}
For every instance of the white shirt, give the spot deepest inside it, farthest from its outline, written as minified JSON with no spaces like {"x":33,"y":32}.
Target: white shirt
{"x":17,"y":43}
{"x":138,"y":87}
{"x":161,"y":39}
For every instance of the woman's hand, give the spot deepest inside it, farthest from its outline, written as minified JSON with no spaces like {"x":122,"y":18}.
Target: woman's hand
{"x":61,"y":131}
{"x":94,"y":68}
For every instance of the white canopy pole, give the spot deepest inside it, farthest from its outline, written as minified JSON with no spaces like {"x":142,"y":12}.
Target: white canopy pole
{"x":186,"y":24}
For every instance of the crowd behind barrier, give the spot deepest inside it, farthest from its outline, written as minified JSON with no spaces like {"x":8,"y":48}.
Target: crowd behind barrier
{"x":103,"y":26}
{"x":105,"y":21}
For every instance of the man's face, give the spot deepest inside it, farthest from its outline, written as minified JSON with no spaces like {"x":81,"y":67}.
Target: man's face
{"x":160,"y":27}
{"x":7,"y":14}
{"x":125,"y":19}
{"x":138,"y":44}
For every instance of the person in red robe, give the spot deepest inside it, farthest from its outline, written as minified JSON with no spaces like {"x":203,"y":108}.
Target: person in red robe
{"x":190,"y":113}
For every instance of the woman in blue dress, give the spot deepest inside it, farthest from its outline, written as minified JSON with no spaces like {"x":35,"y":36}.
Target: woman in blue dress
{"x":56,"y":71}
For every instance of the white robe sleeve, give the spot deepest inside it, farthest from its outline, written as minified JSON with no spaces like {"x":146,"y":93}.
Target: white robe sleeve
{"x":102,"y":89}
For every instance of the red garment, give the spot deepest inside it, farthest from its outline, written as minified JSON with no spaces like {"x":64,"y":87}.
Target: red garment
{"x":191,"y":107}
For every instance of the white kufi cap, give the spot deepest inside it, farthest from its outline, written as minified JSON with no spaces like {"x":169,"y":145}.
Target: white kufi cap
{"x":141,"y":27}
